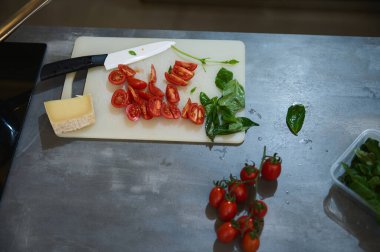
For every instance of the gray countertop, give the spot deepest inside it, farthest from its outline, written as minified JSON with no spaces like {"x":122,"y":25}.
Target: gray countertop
{"x":101,"y":195}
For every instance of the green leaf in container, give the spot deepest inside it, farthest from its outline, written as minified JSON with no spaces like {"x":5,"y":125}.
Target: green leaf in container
{"x":295,"y":118}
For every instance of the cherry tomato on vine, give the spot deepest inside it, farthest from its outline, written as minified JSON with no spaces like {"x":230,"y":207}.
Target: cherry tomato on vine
{"x":246,"y":224}
{"x":239,"y":190}
{"x":216,"y":196}
{"x":258,"y":208}
{"x":226,"y":232}
{"x":227,"y":209}
{"x":250,"y":243}
{"x":117,"y":77}
{"x":249,"y":173}
{"x":271,"y":169}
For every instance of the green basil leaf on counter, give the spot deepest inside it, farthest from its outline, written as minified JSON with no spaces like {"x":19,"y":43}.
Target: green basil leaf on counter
{"x":193,"y":90}
{"x":132,"y":53}
{"x":223,"y":77}
{"x":204,"y":99}
{"x":295,"y":118}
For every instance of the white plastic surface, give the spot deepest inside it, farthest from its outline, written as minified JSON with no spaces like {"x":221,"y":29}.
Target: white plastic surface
{"x":111,"y":123}
{"x":337,"y":170}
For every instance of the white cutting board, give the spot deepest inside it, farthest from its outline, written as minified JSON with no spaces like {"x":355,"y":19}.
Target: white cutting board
{"x":111,"y":123}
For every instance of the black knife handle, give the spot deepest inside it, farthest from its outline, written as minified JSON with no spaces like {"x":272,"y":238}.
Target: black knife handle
{"x":71,"y":65}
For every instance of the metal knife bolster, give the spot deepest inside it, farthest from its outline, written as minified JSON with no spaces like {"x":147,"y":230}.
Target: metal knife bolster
{"x":71,"y":65}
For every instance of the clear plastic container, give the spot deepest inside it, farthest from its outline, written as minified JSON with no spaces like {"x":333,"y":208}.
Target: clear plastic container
{"x":337,"y":169}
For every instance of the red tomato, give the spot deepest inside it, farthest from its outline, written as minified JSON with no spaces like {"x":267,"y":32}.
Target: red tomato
{"x":258,"y":208}
{"x":170,"y":111}
{"x":239,"y":190}
{"x":188,"y":65}
{"x":250,"y":243}
{"x":216,"y":196}
{"x":271,"y":168}
{"x":133,"y":112}
{"x":135,"y":96}
{"x":129,"y":72}
{"x":146,"y":96}
{"x":117,"y":77}
{"x":154,"y":106}
{"x":120,"y":98}
{"x":175,"y":111}
{"x":155,"y":90}
{"x":249,"y":173}
{"x":144,"y":111}
{"x":227,"y":210}
{"x":182,"y":72}
{"x":246,"y":224}
{"x":174,"y":79}
{"x":185,"y":110}
{"x":196,"y":113}
{"x":153,"y":76}
{"x":226,"y":232}
{"x":136,"y":83}
{"x":172,"y":94}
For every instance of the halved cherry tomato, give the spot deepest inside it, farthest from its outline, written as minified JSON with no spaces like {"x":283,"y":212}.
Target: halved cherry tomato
{"x":144,"y":111}
{"x":170,"y":111}
{"x":172,"y":94}
{"x":117,"y":77}
{"x":133,"y":112}
{"x":153,"y":76}
{"x":188,"y":65}
{"x":174,"y":79}
{"x":154,"y":106}
{"x":135,"y":96}
{"x":146,"y":96}
{"x":120,"y":98}
{"x":185,"y":110}
{"x":136,"y":83}
{"x":129,"y":72}
{"x":155,"y":90}
{"x":196,"y":113}
{"x":182,"y":72}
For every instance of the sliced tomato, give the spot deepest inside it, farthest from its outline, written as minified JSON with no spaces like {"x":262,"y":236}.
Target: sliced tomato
{"x":174,"y":79}
{"x":196,"y":113}
{"x":146,"y":96}
{"x":136,"y":83}
{"x":155,"y":90}
{"x":133,"y":112}
{"x":135,"y":96}
{"x":175,"y":111}
{"x":117,"y":77}
{"x":154,"y":106}
{"x":188,"y":65}
{"x":120,"y":98}
{"x":170,"y":111}
{"x":182,"y":72}
{"x":129,"y":72}
{"x":185,"y":110}
{"x":144,"y":111}
{"x":153,"y":76}
{"x":172,"y":94}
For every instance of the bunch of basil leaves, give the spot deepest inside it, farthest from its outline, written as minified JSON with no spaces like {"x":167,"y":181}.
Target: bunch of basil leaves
{"x":221,"y":112}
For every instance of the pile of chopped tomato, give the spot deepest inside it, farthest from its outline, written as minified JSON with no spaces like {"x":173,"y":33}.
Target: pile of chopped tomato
{"x":146,"y":100}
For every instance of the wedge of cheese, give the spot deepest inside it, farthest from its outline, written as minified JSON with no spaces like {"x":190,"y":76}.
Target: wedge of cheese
{"x":70,"y":114}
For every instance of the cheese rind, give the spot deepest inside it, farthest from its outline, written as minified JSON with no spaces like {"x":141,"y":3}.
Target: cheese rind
{"x":70,"y":114}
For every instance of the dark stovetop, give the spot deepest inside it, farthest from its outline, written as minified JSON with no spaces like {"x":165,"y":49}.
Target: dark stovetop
{"x":19,"y":68}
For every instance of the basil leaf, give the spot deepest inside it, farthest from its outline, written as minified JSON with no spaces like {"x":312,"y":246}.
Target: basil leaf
{"x":204,"y":99}
{"x":193,"y":90}
{"x":170,"y":70}
{"x":241,"y":124}
{"x":132,"y":53}
{"x":295,"y":117}
{"x":223,"y":77}
{"x":233,"y":96}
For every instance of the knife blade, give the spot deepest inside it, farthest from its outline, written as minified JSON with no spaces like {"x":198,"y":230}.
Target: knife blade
{"x":109,"y":61}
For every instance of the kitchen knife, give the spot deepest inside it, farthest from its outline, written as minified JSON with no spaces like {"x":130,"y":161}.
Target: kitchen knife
{"x":110,"y":61}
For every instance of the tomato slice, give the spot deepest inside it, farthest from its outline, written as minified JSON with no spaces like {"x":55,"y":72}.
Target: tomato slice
{"x":153,"y":76}
{"x":172,"y":94}
{"x":196,"y":113}
{"x":174,"y":79}
{"x":136,"y":83}
{"x":146,"y":96}
{"x":144,"y":111}
{"x":165,"y":111}
{"x":129,"y":72}
{"x":185,"y":110}
{"x":155,"y":90}
{"x":135,"y":96}
{"x":188,"y":65}
{"x":154,"y":106}
{"x":133,"y":112}
{"x":117,"y":77}
{"x":120,"y":98}
{"x":182,"y":72}
{"x":175,"y":111}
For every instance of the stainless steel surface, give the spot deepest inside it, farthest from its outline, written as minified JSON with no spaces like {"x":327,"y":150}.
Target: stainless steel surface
{"x":20,"y":16}
{"x":81,"y":195}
